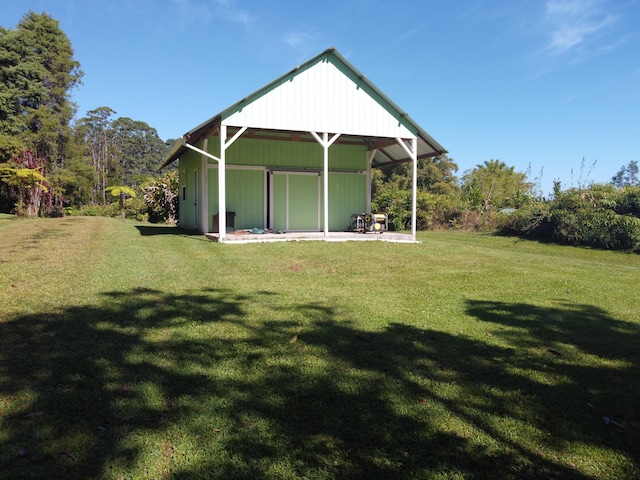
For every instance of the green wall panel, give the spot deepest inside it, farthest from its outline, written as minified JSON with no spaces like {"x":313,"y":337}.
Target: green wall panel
{"x":213,"y":196}
{"x":285,"y":154}
{"x":347,"y":195}
{"x":303,"y":202}
{"x":189,"y":164}
{"x":246,"y":187}
{"x":245,"y":196}
{"x":279,"y":185}
{"x":296,"y":194}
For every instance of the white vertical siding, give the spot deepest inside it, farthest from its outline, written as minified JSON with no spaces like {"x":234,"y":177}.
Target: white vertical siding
{"x":321,"y":98}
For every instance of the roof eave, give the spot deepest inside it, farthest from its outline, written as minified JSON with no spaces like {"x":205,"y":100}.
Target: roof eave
{"x":201,"y":130}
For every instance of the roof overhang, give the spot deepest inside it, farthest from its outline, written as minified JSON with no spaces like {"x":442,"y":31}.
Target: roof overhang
{"x":387,"y":150}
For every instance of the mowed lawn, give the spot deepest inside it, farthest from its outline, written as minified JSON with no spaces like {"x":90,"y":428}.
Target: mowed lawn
{"x":131,"y":350}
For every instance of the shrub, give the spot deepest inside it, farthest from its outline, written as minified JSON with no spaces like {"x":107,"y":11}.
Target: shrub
{"x":531,"y":221}
{"x":600,"y":216}
{"x":161,"y":196}
{"x":628,"y":201}
{"x":97,"y":210}
{"x":433,"y":210}
{"x":134,"y":209}
{"x":397,"y":205}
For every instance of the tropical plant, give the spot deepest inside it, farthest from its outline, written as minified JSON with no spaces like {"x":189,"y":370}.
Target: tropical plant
{"x":29,"y":182}
{"x":25,"y":176}
{"x":493,"y":185}
{"x":161,"y":196}
{"x":121,"y":191}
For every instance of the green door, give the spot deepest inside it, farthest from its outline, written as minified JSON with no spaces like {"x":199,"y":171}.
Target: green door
{"x":296,"y":201}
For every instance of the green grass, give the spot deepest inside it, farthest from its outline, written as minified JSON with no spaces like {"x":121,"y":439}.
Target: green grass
{"x":138,"y":351}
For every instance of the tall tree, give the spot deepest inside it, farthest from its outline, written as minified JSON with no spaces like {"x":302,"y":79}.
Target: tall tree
{"x":435,"y":175}
{"x":122,"y":151}
{"x":139,"y":151}
{"x":96,"y":132}
{"x":493,"y":185}
{"x":627,"y":176}
{"x":38,"y":72}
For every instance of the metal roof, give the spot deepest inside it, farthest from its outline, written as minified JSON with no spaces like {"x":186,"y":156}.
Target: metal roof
{"x":388,"y":150}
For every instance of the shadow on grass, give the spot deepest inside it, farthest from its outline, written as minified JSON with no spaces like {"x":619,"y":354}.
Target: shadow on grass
{"x":155,"y":385}
{"x":160,"y":229}
{"x":585,"y":364}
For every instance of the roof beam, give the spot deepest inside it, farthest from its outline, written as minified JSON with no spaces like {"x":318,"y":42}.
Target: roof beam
{"x":200,"y":151}
{"x":382,"y":143}
{"x":228,"y":143}
{"x":402,"y":142}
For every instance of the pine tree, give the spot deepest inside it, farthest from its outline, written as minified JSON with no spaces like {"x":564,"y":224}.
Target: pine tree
{"x":38,"y":72}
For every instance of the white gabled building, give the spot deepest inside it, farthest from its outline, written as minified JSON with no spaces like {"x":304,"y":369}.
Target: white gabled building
{"x":297,"y":154}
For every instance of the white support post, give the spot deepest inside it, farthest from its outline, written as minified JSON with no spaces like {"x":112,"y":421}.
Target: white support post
{"x":326,"y":142}
{"x":222,"y":177}
{"x":325,"y":146}
{"x":370,"y":156}
{"x":204,"y":190}
{"x":414,"y":187}
{"x":413,"y":153}
{"x":222,"y":185}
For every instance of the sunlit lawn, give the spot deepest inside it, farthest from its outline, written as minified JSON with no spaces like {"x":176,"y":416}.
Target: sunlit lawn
{"x":137,"y":351}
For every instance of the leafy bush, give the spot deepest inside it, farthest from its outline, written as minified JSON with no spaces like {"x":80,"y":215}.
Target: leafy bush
{"x":530,"y":221}
{"x":600,"y":216}
{"x":161,"y":196}
{"x":433,"y":210}
{"x":397,"y":205}
{"x":628,"y":201}
{"x":97,"y":210}
{"x":134,"y":209}
{"x":159,"y":203}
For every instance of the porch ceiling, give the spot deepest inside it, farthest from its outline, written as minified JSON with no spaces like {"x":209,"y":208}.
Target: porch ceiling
{"x":388,"y":151}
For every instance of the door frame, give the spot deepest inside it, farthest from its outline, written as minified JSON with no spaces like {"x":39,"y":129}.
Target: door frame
{"x":288,"y":199}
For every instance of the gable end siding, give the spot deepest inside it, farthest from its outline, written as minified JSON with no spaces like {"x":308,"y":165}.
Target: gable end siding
{"x":324,"y":97}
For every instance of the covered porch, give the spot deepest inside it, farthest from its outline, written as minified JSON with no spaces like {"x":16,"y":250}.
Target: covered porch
{"x":245,"y":236}
{"x":297,"y":156}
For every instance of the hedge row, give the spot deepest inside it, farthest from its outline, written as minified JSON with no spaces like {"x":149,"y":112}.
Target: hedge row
{"x":601,"y":216}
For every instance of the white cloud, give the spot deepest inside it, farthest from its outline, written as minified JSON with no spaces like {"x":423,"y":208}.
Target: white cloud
{"x":229,"y":12}
{"x":572,"y":24}
{"x":297,"y":40}
{"x":239,"y":16}
{"x":304,"y":40}
{"x":189,"y":12}
{"x":570,"y":98}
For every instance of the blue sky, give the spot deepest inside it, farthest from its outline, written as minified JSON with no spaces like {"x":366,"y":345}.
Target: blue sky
{"x":547,"y":86}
